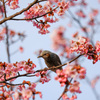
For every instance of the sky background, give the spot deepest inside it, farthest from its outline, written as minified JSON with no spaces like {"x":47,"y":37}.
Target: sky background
{"x":35,"y":41}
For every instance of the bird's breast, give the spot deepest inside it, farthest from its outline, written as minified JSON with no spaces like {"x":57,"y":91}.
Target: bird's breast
{"x":49,"y":63}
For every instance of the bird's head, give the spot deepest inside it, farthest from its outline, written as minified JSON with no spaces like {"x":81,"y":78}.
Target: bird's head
{"x":45,"y":54}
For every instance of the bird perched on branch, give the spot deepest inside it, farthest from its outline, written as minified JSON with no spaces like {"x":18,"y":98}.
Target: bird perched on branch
{"x":51,"y":59}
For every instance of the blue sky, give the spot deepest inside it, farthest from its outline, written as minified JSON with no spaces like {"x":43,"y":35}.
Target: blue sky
{"x":34,"y":42}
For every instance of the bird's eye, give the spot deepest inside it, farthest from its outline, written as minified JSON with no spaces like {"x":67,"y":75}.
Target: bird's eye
{"x":46,"y":55}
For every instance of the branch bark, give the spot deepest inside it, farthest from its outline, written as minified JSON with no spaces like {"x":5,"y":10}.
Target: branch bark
{"x":18,"y":13}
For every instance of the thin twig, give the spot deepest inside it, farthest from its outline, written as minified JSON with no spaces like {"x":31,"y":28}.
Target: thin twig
{"x":81,"y":26}
{"x":93,"y":89}
{"x":12,"y":84}
{"x":75,"y":19}
{"x":7,"y":43}
{"x":64,"y":90}
{"x":4,"y":9}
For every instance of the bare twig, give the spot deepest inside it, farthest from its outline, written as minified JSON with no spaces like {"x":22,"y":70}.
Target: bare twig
{"x":78,"y":21}
{"x":93,"y":89}
{"x":7,"y":43}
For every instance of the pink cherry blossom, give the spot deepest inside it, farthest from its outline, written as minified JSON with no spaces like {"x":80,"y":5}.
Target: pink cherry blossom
{"x":57,"y":38}
{"x":81,"y":14}
{"x":94,"y":81}
{"x":13,"y":4}
{"x":26,"y":93}
{"x":97,"y":46}
{"x":21,"y":49}
{"x":75,"y":87}
{"x":16,"y":95}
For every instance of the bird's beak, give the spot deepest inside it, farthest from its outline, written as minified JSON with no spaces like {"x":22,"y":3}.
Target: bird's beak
{"x":39,"y":56}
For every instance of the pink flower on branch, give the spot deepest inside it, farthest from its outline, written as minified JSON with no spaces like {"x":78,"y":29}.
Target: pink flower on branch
{"x":13,"y":4}
{"x":16,"y":95}
{"x":11,"y":72}
{"x":21,"y":49}
{"x":83,"y":46}
{"x":75,"y":87}
{"x":72,"y":72}
{"x":81,"y":14}
{"x":26,"y":93}
{"x":46,"y":12}
{"x":97,"y":46}
{"x":93,"y":13}
{"x":94,"y":81}
{"x":2,"y":34}
{"x":58,"y":38}
{"x":91,"y":22}
{"x":63,"y":6}
{"x":44,"y":78}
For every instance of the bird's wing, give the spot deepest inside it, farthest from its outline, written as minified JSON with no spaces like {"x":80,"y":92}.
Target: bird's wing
{"x":55,"y":59}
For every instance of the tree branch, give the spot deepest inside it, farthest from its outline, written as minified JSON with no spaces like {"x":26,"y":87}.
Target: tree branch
{"x":18,"y":13}
{"x":34,"y":17}
{"x":7,"y":44}
{"x":45,"y":69}
{"x":4,"y":9}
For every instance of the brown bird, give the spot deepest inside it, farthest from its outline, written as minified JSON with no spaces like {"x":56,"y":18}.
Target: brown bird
{"x":51,"y":59}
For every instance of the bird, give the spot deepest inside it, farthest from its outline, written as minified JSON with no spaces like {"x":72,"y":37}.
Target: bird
{"x":51,"y":59}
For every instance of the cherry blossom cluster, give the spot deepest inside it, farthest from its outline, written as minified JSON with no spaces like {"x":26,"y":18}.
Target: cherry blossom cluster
{"x":58,"y":39}
{"x":21,"y":92}
{"x":44,"y":77}
{"x":25,"y":93}
{"x":63,"y":7}
{"x":12,"y":70}
{"x":83,"y":46}
{"x":73,"y":88}
{"x":39,"y":10}
{"x":13,"y":4}
{"x":46,"y":11}
{"x":71,"y":72}
{"x":97,"y":46}
{"x":93,"y":14}
{"x":65,"y":97}
{"x":81,"y":14}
